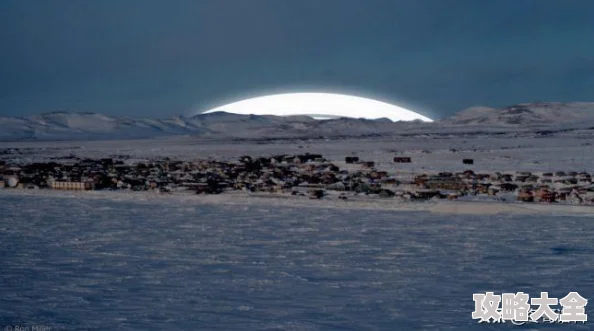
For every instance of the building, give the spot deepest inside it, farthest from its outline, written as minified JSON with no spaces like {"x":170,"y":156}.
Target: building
{"x":421,"y":180}
{"x":351,"y":159}
{"x":426,"y":194}
{"x":483,"y":188}
{"x":548,"y":197}
{"x":378,"y":174}
{"x":453,"y":196}
{"x":468,"y":174}
{"x":315,"y":193}
{"x":74,"y":186}
{"x":445,"y":184}
{"x":526,"y":196}
{"x":368,"y":164}
{"x":12,"y":182}
{"x":402,"y":159}
{"x":385,"y":193}
{"x":508,"y":187}
{"x":338,"y":186}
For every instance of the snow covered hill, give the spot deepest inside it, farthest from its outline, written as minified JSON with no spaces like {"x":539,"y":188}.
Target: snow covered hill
{"x":65,"y":125}
{"x":221,"y":125}
{"x":544,"y":113}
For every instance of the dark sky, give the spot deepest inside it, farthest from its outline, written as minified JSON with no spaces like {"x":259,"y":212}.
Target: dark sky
{"x":163,"y":58}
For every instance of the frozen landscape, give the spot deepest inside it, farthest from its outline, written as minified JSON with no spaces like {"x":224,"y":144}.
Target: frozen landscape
{"x":116,"y":262}
{"x":334,"y":165}
{"x":97,"y":260}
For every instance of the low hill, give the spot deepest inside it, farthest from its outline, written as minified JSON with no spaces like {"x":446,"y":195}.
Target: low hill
{"x":543,"y":113}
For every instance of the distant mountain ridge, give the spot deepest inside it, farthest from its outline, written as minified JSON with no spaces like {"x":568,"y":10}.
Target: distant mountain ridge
{"x":221,"y":125}
{"x":540,"y":113}
{"x":92,"y":126}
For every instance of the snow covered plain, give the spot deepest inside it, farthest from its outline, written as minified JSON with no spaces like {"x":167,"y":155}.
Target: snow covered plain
{"x":510,"y":151}
{"x":128,"y":263}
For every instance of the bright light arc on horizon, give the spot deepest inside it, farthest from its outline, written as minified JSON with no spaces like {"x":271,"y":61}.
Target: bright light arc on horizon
{"x":320,"y":106}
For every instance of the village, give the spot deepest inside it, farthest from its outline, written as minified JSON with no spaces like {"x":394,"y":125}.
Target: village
{"x":308,"y":175}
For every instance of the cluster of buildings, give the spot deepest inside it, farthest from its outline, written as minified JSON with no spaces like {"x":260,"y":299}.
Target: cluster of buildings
{"x":306,"y":175}
{"x":570,"y":187}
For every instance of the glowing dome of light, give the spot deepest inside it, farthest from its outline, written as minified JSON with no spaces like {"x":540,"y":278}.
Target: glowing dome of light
{"x":320,"y":106}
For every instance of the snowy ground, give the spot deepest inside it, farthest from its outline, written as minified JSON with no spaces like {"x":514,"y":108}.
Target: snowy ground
{"x":466,"y":205}
{"x":510,"y":152}
{"x":103,"y":264}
